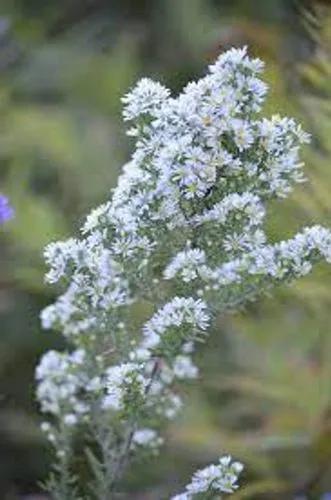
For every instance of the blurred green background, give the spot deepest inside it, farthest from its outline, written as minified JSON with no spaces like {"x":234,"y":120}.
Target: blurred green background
{"x":265,"y":393}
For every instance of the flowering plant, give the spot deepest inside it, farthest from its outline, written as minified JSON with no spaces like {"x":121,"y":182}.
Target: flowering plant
{"x":182,"y":235}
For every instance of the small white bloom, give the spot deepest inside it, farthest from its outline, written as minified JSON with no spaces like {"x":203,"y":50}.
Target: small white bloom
{"x":147,"y":438}
{"x":188,"y":263}
{"x":119,"y":380}
{"x":70,"y":419}
{"x":219,"y":478}
{"x":146,"y":97}
{"x":184,"y":368}
{"x":177,"y":312}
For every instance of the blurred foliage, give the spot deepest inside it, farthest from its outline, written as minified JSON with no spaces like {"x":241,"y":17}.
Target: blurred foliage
{"x":265,"y":392}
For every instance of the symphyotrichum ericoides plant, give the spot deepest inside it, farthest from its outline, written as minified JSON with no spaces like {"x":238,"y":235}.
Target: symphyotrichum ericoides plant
{"x":182,"y":232}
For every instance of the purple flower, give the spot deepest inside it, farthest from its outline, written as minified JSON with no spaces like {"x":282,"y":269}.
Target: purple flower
{"x":6,"y":211}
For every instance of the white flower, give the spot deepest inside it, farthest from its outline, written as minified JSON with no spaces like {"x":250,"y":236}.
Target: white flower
{"x":172,"y":406}
{"x":94,"y":218}
{"x":61,"y":381}
{"x":70,"y":419}
{"x":184,"y":368}
{"x":45,"y":427}
{"x":119,"y":382}
{"x":177,"y":312}
{"x":188,"y":262}
{"x":145,"y":97}
{"x":219,"y":478}
{"x":237,"y":57}
{"x":62,"y":254}
{"x":147,"y":438}
{"x":246,"y":205}
{"x":243,"y":134}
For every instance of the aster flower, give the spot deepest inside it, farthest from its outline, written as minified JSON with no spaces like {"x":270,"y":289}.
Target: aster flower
{"x":219,"y":478}
{"x":6,"y":211}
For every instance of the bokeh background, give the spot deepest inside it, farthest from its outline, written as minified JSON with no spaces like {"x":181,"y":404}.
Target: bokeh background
{"x":265,"y":393}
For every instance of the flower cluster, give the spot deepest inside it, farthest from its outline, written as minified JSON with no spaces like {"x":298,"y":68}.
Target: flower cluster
{"x":183,"y":237}
{"x":61,"y":380}
{"x":122,"y":382}
{"x":96,"y":286}
{"x":220,"y":478}
{"x":179,"y":313}
{"x":6,"y":211}
{"x":147,"y":438}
